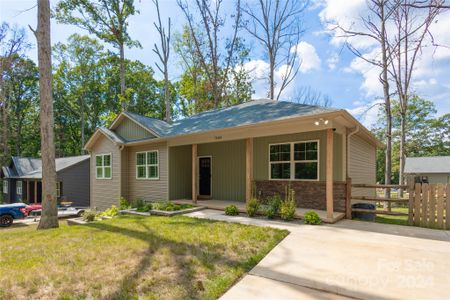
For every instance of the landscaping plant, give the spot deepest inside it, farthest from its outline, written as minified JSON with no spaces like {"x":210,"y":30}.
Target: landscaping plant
{"x":231,"y":210}
{"x":138,"y":204}
{"x":170,"y":206}
{"x":252,"y":207}
{"x":287,"y":210}
{"x":89,"y":215}
{"x":123,"y":203}
{"x":111,"y":212}
{"x":145,"y":208}
{"x":312,"y":218}
{"x":273,"y":206}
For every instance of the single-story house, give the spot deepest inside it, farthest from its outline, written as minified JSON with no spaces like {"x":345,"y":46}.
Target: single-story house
{"x":225,"y":154}
{"x":22,"y":180}
{"x":432,"y":169}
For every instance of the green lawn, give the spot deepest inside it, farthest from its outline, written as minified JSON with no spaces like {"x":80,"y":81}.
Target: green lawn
{"x":131,"y":257}
{"x":397,"y":220}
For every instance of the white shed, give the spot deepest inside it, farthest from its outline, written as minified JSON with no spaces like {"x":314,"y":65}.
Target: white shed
{"x":432,"y":169}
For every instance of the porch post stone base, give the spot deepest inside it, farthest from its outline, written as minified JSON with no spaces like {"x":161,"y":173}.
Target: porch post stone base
{"x":308,"y":194}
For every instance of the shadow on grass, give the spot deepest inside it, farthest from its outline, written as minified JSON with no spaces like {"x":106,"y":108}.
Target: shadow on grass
{"x":210,"y":257}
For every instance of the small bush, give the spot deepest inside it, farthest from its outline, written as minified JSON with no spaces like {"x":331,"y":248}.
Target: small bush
{"x":231,"y":210}
{"x":170,"y":206}
{"x":252,"y":207}
{"x":89,"y":215}
{"x":111,"y":212}
{"x":312,"y":218}
{"x":273,"y":206}
{"x":287,"y":210}
{"x":146,"y":208}
{"x":138,"y":204}
{"x":123,"y":203}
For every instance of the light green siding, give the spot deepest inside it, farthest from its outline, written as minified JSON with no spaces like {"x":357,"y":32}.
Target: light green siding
{"x":180,"y":172}
{"x":261,"y":152}
{"x":131,"y":131}
{"x":228,"y":169}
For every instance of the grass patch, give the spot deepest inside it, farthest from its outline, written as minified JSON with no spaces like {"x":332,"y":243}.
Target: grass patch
{"x":388,"y":219}
{"x":131,"y":257}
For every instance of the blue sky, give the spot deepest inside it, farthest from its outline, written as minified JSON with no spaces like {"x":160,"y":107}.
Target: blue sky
{"x":328,"y":66}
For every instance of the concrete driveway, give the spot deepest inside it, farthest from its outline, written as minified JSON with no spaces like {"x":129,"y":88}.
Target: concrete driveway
{"x":349,"y":259}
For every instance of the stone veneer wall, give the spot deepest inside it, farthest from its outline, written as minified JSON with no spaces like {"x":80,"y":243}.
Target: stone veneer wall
{"x":308,"y":194}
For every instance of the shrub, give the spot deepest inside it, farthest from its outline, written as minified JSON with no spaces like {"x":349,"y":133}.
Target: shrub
{"x":273,"y":206}
{"x":123,"y":203}
{"x":89,"y":215}
{"x":138,"y":204}
{"x":312,"y":218}
{"x":170,"y":206}
{"x":287,"y":210}
{"x":231,"y":210}
{"x":111,"y":212}
{"x":252,"y":207}
{"x":145,"y":208}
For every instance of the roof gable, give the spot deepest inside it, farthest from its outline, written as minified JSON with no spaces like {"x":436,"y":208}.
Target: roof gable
{"x":130,"y":131}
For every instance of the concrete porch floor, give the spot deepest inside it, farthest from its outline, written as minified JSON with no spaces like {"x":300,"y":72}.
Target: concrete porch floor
{"x":299,"y":212}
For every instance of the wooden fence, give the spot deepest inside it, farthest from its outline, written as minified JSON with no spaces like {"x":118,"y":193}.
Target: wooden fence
{"x":428,"y":204}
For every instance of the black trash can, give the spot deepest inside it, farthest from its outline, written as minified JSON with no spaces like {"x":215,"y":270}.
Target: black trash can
{"x":362,"y":215}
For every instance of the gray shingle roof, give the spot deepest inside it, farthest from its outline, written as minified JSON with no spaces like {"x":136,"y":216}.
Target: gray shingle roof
{"x":252,"y":112}
{"x":112,"y":135}
{"x":432,"y":164}
{"x":32,"y":167}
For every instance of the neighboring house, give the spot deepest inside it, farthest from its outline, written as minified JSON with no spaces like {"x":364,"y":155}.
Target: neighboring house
{"x":224,"y":154}
{"x":433,"y":169}
{"x":22,"y":180}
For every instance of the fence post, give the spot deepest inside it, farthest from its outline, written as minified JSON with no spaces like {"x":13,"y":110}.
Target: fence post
{"x":348,"y":199}
{"x":410,"y":182}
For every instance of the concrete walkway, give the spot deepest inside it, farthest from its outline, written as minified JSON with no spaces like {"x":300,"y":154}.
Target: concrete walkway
{"x":351,"y":259}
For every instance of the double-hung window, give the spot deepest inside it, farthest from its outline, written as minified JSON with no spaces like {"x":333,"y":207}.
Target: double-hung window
{"x":147,"y":165}
{"x":5,"y":186}
{"x":103,"y":166}
{"x":294,"y":161}
{"x":19,"y":188}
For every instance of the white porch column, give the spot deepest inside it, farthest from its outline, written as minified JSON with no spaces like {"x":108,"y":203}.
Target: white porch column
{"x":329,"y":174}
{"x":194,"y":173}
{"x":248,"y":168}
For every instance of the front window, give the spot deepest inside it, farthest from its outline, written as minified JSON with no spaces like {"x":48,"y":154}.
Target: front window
{"x":19,"y":187}
{"x":103,"y":166}
{"x":280,"y":161}
{"x":291,"y":161}
{"x":306,"y":161}
{"x":5,"y":186}
{"x":147,"y":165}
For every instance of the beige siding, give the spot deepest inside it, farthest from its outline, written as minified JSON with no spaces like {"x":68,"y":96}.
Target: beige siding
{"x":124,"y":173}
{"x":180,"y":170}
{"x":228,"y":169}
{"x":261,"y":152}
{"x":131,"y":131}
{"x":146,"y":189}
{"x":362,"y":164}
{"x":105,"y":192}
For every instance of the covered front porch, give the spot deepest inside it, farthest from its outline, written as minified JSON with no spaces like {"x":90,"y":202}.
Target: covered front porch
{"x":299,"y":212}
{"x":232,"y":169}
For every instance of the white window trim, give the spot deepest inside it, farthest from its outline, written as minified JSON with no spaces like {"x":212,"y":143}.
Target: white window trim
{"x":146,"y":165}
{"x":5,"y":186}
{"x":103,"y":166}
{"x":292,"y":161}
{"x":19,"y":187}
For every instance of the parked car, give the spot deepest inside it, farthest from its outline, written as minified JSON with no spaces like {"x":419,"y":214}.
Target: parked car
{"x":33,"y":207}
{"x":63,"y":210}
{"x":11,"y":212}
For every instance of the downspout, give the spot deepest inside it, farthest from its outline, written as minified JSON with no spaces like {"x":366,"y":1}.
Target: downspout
{"x":348,"y":147}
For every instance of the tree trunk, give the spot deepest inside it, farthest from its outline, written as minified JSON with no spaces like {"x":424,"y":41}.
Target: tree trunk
{"x":271,"y":76}
{"x":122,"y":76}
{"x":49,"y":217}
{"x":402,"y":151}
{"x":82,"y":125}
{"x":167,"y":95}
{"x":387,"y":105}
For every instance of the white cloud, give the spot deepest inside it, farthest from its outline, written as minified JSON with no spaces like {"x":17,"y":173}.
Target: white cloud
{"x":308,"y":57}
{"x":367,"y":113}
{"x":332,"y":61}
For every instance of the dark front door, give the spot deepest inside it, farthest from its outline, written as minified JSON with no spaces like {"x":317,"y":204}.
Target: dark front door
{"x":204,"y":172}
